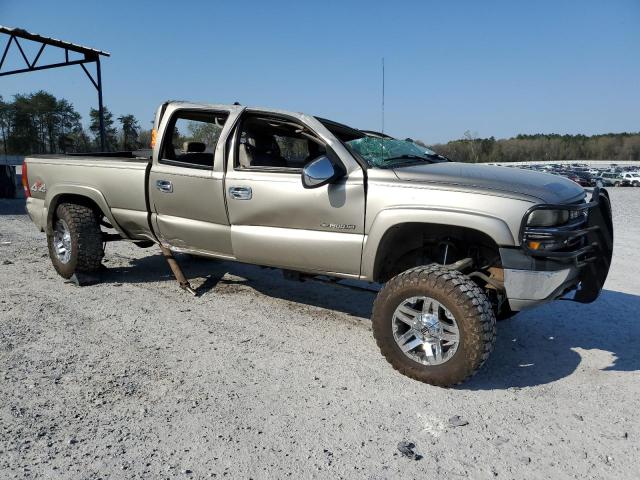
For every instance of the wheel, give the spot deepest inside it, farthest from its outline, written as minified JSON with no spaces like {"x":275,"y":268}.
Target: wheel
{"x":434,"y":325}
{"x":616,"y":184}
{"x":75,"y":240}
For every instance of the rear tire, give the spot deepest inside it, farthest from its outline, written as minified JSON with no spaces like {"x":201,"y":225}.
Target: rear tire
{"x":75,"y":240}
{"x":462,"y":308}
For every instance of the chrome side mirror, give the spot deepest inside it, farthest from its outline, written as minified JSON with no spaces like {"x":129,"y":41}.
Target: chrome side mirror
{"x":319,"y":172}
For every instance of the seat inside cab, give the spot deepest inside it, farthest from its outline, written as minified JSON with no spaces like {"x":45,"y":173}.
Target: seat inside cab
{"x":267,"y":142}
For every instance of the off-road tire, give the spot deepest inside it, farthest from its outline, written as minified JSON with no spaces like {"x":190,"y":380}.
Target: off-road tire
{"x":86,"y":240}
{"x":462,"y":297}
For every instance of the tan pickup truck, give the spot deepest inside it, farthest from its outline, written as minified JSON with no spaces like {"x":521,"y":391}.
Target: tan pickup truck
{"x":454,"y":245}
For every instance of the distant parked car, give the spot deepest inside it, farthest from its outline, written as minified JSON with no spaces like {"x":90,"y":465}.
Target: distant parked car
{"x":574,"y":177}
{"x":612,"y":179}
{"x":633,"y":178}
{"x":584,"y":178}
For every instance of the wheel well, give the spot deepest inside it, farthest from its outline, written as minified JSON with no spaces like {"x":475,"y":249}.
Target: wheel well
{"x":70,"y":198}
{"x":407,"y":245}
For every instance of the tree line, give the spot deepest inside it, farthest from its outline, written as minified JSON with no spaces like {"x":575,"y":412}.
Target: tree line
{"x":39,"y":123}
{"x":543,"y":147}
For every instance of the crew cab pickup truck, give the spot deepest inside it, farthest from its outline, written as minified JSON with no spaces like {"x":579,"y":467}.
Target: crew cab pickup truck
{"x":454,"y":246}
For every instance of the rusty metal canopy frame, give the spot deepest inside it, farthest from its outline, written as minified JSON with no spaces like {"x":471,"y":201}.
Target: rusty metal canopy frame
{"x":90,"y":55}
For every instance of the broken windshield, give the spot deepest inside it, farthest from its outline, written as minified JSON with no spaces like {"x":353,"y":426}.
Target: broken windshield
{"x":390,"y":152}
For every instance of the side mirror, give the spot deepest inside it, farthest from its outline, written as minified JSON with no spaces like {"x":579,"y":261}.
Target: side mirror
{"x":320,"y":171}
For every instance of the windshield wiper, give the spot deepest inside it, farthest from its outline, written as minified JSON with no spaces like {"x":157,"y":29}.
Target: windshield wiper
{"x":425,"y":157}
{"x":409,"y":157}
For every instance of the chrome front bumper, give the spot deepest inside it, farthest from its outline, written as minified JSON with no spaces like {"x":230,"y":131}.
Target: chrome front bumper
{"x":580,"y":261}
{"x":528,"y":288}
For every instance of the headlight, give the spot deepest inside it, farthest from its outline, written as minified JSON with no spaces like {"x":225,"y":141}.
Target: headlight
{"x":548,"y":218}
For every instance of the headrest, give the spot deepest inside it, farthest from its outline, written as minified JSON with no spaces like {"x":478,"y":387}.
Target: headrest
{"x":193,"y":147}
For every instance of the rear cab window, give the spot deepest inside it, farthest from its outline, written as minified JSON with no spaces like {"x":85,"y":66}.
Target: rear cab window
{"x":191,"y":138}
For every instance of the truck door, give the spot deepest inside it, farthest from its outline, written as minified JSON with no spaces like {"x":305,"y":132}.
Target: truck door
{"x":275,"y":220}
{"x":186,"y":181}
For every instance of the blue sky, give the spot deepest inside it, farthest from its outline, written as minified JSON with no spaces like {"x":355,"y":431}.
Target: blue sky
{"x":494,"y":67}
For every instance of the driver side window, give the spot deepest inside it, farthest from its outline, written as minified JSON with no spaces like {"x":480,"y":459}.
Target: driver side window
{"x":276,"y":144}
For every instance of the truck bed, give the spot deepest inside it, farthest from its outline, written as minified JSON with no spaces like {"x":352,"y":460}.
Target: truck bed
{"x":91,"y":160}
{"x":118,"y":182}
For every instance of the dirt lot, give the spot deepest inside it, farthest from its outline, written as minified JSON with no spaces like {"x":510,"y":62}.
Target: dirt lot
{"x":261,"y":377}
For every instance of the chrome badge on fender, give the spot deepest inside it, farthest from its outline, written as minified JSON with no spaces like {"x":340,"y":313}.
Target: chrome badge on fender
{"x":38,"y":186}
{"x":338,"y":226}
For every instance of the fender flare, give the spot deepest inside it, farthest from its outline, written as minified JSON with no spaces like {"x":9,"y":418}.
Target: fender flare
{"x":494,"y":227}
{"x":93,"y":194}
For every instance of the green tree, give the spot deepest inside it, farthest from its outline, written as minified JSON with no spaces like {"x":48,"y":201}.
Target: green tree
{"x":204,"y":132}
{"x":5,"y":123}
{"x":144,"y":138}
{"x":110,"y":130}
{"x":130,"y":132}
{"x":543,"y":147}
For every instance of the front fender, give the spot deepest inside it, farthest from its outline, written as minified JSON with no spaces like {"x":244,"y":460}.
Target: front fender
{"x":494,"y":227}
{"x":55,"y":193}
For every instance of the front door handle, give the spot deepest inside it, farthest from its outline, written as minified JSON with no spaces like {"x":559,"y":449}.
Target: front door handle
{"x":240,"y":193}
{"x":164,"y":186}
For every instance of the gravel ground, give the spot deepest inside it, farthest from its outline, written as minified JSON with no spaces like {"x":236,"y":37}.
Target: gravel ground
{"x":261,"y":377}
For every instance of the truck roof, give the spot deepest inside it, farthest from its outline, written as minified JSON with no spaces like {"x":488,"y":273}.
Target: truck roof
{"x":233,"y":107}
{"x":331,"y":124}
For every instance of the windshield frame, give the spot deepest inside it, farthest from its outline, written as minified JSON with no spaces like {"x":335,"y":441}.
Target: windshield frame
{"x":345,"y":134}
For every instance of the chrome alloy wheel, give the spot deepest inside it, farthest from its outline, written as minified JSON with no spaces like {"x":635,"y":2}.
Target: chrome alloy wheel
{"x":62,"y":241}
{"x":425,"y":331}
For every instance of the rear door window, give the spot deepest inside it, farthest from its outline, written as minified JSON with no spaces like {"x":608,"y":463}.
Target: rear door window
{"x":191,"y":139}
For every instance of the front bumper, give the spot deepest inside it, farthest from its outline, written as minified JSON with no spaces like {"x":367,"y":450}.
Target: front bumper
{"x":580,"y":261}
{"x":529,"y":288}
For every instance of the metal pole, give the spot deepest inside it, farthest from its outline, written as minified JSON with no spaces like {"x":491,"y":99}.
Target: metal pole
{"x":100,"y":106}
{"x":177,"y":271}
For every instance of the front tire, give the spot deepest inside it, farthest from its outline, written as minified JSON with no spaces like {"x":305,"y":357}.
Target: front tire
{"x":434,"y":325}
{"x":75,"y":240}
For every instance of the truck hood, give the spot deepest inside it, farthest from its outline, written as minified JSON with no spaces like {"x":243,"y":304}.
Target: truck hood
{"x":507,"y":180}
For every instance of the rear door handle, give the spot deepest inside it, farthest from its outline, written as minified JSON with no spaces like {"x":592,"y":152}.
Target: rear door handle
{"x":240,"y":193}
{"x":164,"y":186}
